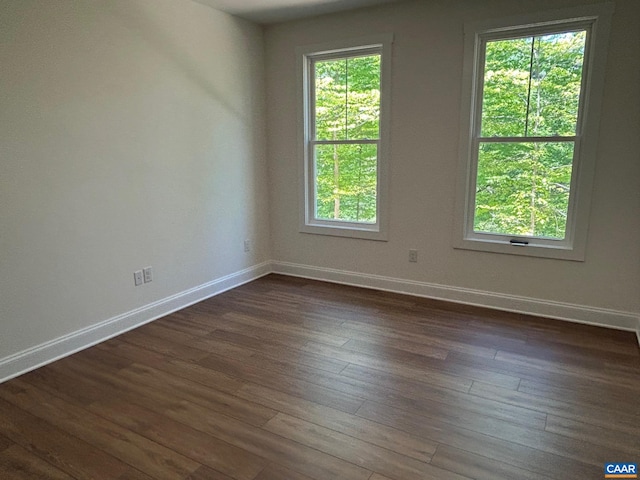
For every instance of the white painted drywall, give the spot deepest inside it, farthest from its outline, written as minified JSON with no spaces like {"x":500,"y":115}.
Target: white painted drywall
{"x":131,"y":134}
{"x":425,"y":118}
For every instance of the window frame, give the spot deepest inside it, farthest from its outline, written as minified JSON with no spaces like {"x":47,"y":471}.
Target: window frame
{"x":381,"y":44}
{"x":596,"y":20}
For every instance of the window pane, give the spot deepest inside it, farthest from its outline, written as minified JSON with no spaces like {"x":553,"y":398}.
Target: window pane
{"x":556,"y":80}
{"x":347,"y":98}
{"x":532,"y":85}
{"x":363,"y":102}
{"x":346,"y":182}
{"x":330,"y":99}
{"x":523,"y":189}
{"x":506,"y":83}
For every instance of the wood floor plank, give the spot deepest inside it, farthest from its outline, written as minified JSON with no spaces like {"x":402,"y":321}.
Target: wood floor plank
{"x":501,"y":450}
{"x":401,"y":352}
{"x":408,"y":330}
{"x":212,"y":399}
{"x":179,"y":368}
{"x":450,"y":326}
{"x":319,"y":307}
{"x":379,"y":363}
{"x":320,"y":386}
{"x":186,"y":324}
{"x":206,"y":473}
{"x":5,"y":442}
{"x":159,"y":330}
{"x":51,"y":379}
{"x":245,"y":323}
{"x":412,"y":342}
{"x":529,"y":372}
{"x":343,"y":446}
{"x":294,"y":455}
{"x":585,"y":451}
{"x":125,"y":406}
{"x":128,"y":446}
{"x":623,"y":421}
{"x":479,"y":467}
{"x":278,"y":472}
{"x":53,"y":445}
{"x":131,"y":475}
{"x":607,"y":398}
{"x":483,"y":423}
{"x":412,"y":394}
{"x":204,"y":316}
{"x":118,"y":347}
{"x":298,"y":381}
{"x":92,"y":381}
{"x":316,"y":320}
{"x":192,"y":443}
{"x":613,"y":353}
{"x":113,"y":362}
{"x":277,"y":351}
{"x":560,"y":336}
{"x":257,"y":331}
{"x":164,"y":346}
{"x":437,"y":363}
{"x":400,"y":392}
{"x":629,"y":378}
{"x":357,"y":427}
{"x":606,"y":437}
{"x":142,"y":386}
{"x":18,"y":464}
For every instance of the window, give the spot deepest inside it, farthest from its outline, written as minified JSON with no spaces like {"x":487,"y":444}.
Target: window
{"x":345,"y":109}
{"x":529,"y":133}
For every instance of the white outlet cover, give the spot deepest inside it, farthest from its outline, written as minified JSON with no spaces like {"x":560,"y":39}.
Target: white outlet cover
{"x":148,"y":274}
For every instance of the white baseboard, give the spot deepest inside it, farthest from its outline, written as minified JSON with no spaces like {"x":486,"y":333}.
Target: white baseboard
{"x":512,"y":303}
{"x":32,"y":358}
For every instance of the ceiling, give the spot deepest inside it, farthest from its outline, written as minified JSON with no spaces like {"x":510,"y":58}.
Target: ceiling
{"x":273,"y":11}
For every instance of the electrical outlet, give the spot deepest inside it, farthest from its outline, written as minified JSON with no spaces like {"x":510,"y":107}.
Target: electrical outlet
{"x":148,"y":274}
{"x":413,"y":256}
{"x":247,"y":245}
{"x":137,"y":278}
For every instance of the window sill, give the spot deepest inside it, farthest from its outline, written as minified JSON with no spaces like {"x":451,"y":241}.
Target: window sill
{"x":344,"y":231}
{"x":556,"y":252}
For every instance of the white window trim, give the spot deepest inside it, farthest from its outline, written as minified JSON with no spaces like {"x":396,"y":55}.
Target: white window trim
{"x":573,"y":247}
{"x":309,"y":224}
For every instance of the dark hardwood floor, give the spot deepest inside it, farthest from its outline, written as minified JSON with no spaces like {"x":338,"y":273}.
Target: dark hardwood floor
{"x":290,"y":379}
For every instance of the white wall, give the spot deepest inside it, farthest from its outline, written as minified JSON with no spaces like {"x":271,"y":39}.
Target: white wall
{"x":426,"y":91}
{"x":131,"y":134}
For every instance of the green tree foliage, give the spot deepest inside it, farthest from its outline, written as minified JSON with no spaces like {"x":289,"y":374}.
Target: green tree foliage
{"x":347,"y":108}
{"x":531,"y":89}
